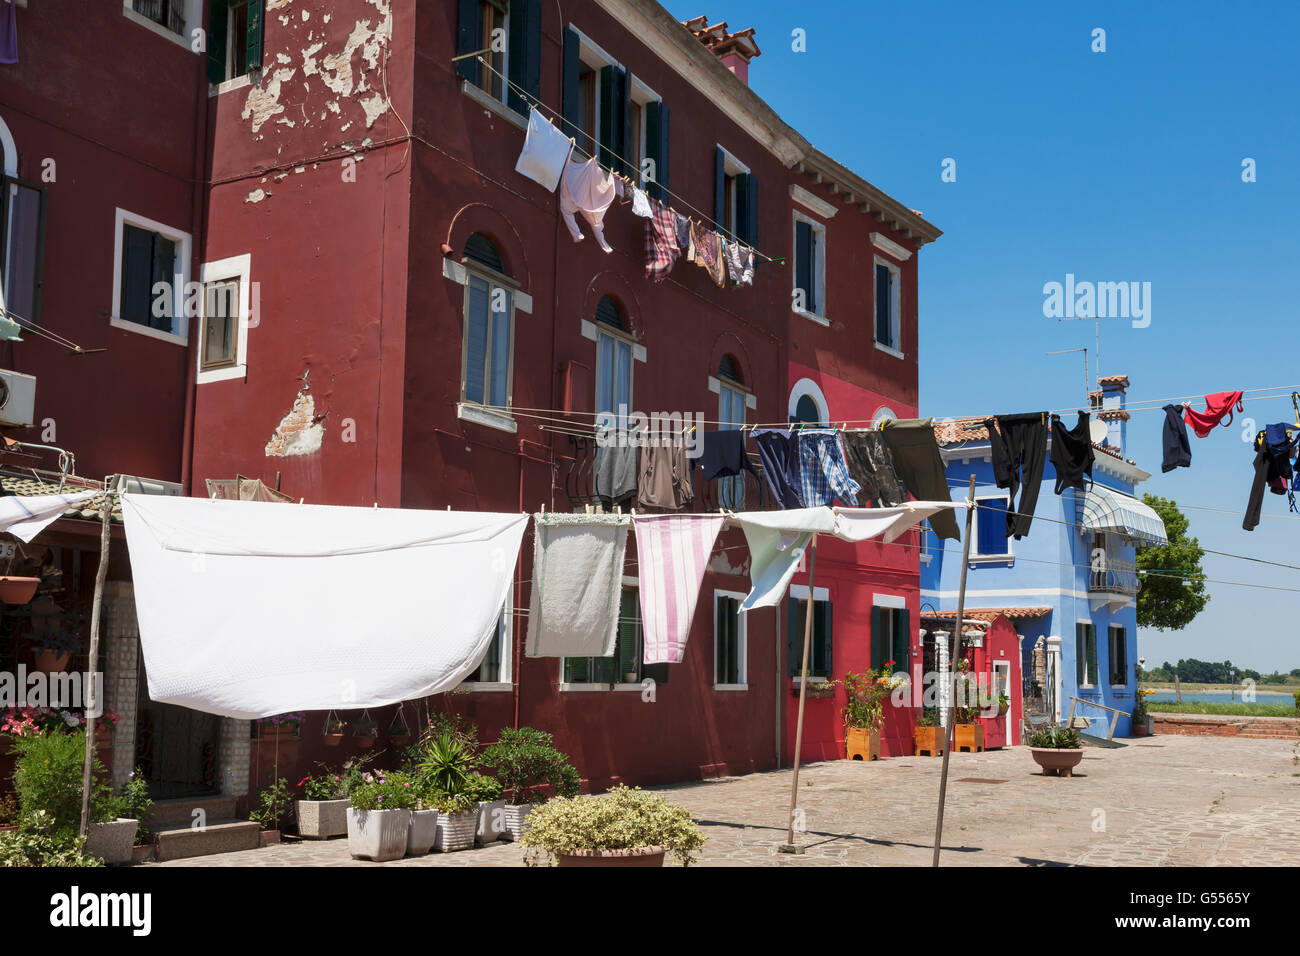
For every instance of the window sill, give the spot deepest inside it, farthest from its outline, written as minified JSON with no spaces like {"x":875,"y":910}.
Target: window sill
{"x":481,"y":686}
{"x":488,"y":102}
{"x":157,"y":28}
{"x":731,"y":687}
{"x":819,"y":319}
{"x":890,"y":350}
{"x":221,"y":374}
{"x":229,"y":86}
{"x":469,"y":412}
{"x":1007,"y":559}
{"x":564,"y":688}
{"x":129,"y":326}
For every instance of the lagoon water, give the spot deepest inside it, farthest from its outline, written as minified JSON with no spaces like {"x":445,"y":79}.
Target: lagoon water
{"x":1210,"y":698}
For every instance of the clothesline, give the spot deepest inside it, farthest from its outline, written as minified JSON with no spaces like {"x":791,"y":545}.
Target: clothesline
{"x":558,"y":114}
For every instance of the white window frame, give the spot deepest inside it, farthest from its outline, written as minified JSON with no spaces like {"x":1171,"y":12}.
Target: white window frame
{"x":749,"y":401}
{"x":976,"y":557}
{"x":731,"y":168}
{"x":799,"y":592}
{"x":618,"y":335}
{"x":895,"y":305}
{"x":220,"y":270}
{"x":1095,"y":679}
{"x":806,"y":387}
{"x":505,"y":642}
{"x":628,"y":582}
{"x":742,"y":638}
{"x":819,"y":270}
{"x":193,"y":21}
{"x":179,"y":335}
{"x":643,"y":96}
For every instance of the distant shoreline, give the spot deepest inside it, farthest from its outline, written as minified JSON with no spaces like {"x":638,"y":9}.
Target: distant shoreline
{"x":1224,"y":689}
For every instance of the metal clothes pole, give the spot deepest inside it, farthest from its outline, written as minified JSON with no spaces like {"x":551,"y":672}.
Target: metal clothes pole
{"x":92,"y":685}
{"x":789,"y":846}
{"x":952,"y":661}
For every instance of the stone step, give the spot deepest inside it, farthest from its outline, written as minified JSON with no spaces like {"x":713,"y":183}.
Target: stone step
{"x":221,"y":836}
{"x":179,"y":811}
{"x":1270,"y":735}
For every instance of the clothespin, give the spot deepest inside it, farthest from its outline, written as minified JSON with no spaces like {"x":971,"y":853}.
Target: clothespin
{"x":301,"y":500}
{"x":1295,"y":403}
{"x":376,"y":505}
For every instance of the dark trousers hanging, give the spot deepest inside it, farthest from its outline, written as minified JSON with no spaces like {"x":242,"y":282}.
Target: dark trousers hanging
{"x":1019,"y":455}
{"x":1177,"y":449}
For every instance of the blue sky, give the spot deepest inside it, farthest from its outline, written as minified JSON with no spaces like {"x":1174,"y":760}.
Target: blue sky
{"x":1117,"y":166}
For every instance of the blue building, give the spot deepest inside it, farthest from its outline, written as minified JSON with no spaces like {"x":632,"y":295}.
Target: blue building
{"x":1070,"y":585}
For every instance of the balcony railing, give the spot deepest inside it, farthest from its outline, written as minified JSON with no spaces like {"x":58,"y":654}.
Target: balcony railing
{"x":1114,"y":577}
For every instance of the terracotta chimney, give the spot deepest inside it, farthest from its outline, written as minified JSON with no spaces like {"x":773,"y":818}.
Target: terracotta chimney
{"x":735,"y":50}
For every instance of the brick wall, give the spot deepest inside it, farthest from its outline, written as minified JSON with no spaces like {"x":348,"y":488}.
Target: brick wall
{"x":121,"y":656}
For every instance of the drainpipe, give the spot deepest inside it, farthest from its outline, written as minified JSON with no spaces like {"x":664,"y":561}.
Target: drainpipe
{"x":199,"y":225}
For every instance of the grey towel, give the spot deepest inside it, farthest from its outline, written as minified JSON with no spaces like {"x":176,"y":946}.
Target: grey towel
{"x":872,"y":466}
{"x":918,"y":463}
{"x":615,"y":472}
{"x":577,"y":584}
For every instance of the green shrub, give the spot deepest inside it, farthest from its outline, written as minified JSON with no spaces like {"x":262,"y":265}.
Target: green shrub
{"x":1060,"y":738}
{"x":135,"y":803}
{"x":623,"y":819}
{"x":274,"y":802}
{"x":48,"y":777}
{"x":524,"y":759}
{"x":40,"y":841}
{"x":446,"y":764}
{"x":391,"y":791}
{"x":451,"y":802}
{"x":482,"y":789}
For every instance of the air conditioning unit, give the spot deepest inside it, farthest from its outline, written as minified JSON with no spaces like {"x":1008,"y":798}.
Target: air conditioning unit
{"x":17,"y":398}
{"x":147,"y":486}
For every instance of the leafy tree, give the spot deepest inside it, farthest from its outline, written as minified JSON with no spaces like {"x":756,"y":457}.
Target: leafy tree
{"x":1164,"y":602}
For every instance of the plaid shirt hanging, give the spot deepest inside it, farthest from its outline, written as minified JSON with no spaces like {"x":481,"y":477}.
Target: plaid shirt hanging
{"x":661,"y":249}
{"x":823,"y":469}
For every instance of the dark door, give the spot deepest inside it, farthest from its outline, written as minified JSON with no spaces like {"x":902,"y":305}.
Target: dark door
{"x":175,"y":747}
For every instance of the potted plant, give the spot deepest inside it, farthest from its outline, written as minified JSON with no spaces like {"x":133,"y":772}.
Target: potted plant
{"x":486,"y":794}
{"x":39,"y":841}
{"x":968,"y":732}
{"x":399,"y":733}
{"x":322,"y":811}
{"x":1004,"y":703}
{"x":365,"y":730}
{"x":333,"y":730}
{"x":379,"y":816}
{"x":626,"y":827}
{"x":525,"y":760}
{"x":273,"y":804}
{"x":1140,"y":717}
{"x":138,"y":805}
{"x":424,"y":823}
{"x":864,"y":713}
{"x":54,"y":648}
{"x":457,"y":821}
{"x":283,"y":726}
{"x":928,"y":737}
{"x":1057,"y":750}
{"x":817,"y":689}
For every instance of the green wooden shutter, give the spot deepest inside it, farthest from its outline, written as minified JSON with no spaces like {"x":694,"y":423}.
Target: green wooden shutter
{"x":657,"y":148}
{"x":747,"y":213}
{"x":719,"y":186}
{"x":256,"y":16}
{"x":613,"y":118}
{"x":469,"y":31}
{"x":525,"y":40}
{"x":902,"y":641}
{"x":877,"y":636}
{"x":1080,"y":652}
{"x":137,"y":275}
{"x":656,"y":672}
{"x":794,"y":635}
{"x":1092,"y":653}
{"x":164,"y":270}
{"x":217,"y":27}
{"x":827,"y":639}
{"x":569,"y":88}
{"x":803,"y":263}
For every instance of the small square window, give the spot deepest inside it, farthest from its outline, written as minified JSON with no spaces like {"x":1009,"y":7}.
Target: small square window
{"x":220,"y":324}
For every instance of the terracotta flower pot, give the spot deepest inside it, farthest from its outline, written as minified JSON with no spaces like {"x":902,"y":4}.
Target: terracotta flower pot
{"x":1057,"y":761}
{"x":269,"y":837}
{"x":399,"y":740}
{"x":17,"y":590}
{"x":639,"y":856}
{"x":365,"y":740}
{"x":333,"y":740}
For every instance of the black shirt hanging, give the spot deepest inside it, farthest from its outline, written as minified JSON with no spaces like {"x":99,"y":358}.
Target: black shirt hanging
{"x":1072,"y":454}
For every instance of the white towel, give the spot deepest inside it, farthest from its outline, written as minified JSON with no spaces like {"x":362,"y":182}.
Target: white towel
{"x":672,"y":554}
{"x":254,"y":608}
{"x":26,"y":516}
{"x":577,"y":584}
{"x":777,"y":541}
{"x":862,"y":524}
{"x":545,"y":152}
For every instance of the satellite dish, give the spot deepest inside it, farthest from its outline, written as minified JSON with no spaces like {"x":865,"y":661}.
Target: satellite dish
{"x":1098,"y":430}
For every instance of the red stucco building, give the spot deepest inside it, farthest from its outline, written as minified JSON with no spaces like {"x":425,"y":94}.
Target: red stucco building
{"x":345,"y":191}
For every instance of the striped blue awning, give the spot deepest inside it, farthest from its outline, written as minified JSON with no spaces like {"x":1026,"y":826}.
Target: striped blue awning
{"x":1104,"y":509}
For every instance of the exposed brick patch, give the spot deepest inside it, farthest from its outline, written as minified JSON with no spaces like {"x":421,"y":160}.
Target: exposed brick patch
{"x":299,"y":432}
{"x":1216,"y":725}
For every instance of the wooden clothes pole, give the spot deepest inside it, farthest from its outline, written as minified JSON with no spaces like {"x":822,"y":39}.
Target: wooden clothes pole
{"x":789,"y":846}
{"x":952,"y":663}
{"x":92,"y":685}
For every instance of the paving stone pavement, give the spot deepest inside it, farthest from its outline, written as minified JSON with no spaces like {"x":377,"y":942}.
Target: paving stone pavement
{"x":1163,"y":801}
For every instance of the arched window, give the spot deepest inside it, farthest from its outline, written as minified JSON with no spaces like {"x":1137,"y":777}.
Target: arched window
{"x":732,"y":402}
{"x":488,"y":368}
{"x":22,"y":210}
{"x":607,"y":311}
{"x":613,"y":361}
{"x":729,"y":369}
{"x":808,"y":404}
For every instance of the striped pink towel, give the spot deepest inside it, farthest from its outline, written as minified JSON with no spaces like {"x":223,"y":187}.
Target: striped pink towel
{"x":672,"y":553}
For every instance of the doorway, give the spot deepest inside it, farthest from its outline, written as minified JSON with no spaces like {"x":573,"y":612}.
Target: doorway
{"x":175,"y":747}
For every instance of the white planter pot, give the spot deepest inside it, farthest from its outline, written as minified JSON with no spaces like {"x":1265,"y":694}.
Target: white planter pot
{"x":516,"y":821}
{"x":321,"y":819}
{"x":491,"y":821}
{"x":456,"y":831}
{"x":424,"y":830}
{"x":112,"y":842}
{"x":378,"y":834}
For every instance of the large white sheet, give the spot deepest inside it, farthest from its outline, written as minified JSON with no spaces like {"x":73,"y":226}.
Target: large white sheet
{"x":863,"y":524}
{"x":26,"y":516}
{"x":251,"y":608}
